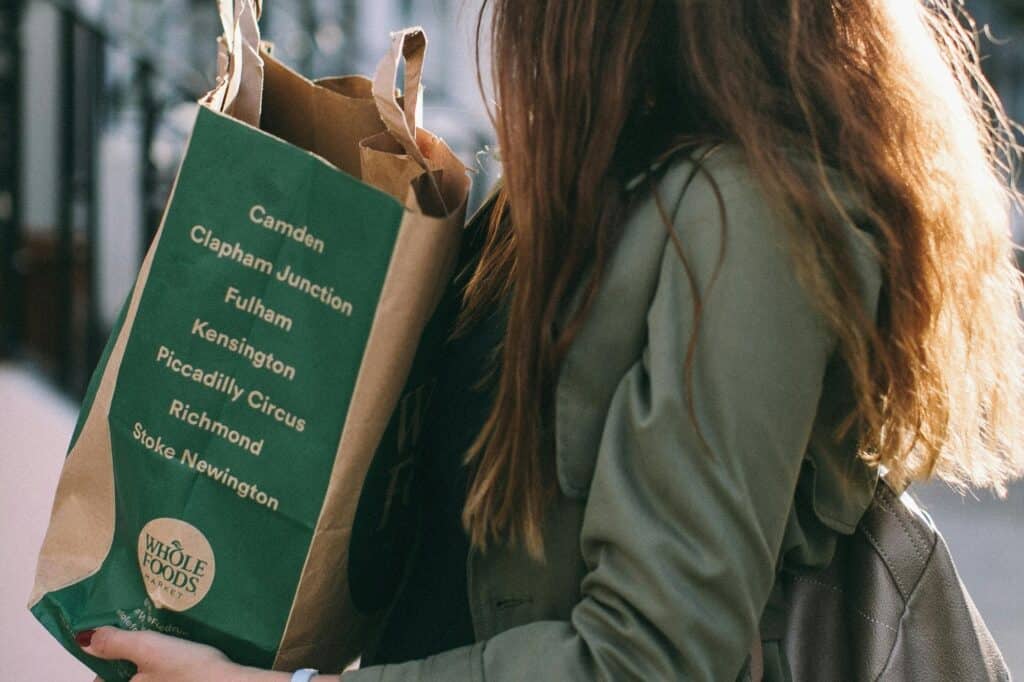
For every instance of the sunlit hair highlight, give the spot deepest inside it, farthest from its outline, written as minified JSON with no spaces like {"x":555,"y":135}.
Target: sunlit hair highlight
{"x":886,"y":94}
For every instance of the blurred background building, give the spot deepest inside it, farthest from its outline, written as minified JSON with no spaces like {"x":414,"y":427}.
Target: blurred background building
{"x":97,"y":102}
{"x":97,"y":99}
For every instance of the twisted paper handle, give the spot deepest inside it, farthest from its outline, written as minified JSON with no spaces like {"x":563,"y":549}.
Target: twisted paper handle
{"x":239,"y":88}
{"x":402,"y":123}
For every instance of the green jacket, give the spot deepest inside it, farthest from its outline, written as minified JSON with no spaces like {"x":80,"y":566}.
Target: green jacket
{"x":662,"y":556}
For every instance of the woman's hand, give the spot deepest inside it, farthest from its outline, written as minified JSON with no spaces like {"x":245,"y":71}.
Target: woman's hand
{"x":162,"y":658}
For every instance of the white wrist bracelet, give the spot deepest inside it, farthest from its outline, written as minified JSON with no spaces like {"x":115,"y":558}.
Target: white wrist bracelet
{"x":304,"y":675}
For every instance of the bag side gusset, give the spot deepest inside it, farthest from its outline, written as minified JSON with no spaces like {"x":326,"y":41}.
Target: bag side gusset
{"x":325,"y":629}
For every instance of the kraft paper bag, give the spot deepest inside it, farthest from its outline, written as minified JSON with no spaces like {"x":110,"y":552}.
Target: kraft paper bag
{"x":262,"y":364}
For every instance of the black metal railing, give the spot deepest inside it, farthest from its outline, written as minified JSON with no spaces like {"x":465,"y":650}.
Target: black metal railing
{"x":50,"y":281}
{"x":11,"y":312}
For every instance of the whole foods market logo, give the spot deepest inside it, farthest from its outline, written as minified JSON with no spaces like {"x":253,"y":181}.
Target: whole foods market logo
{"x":177,"y":563}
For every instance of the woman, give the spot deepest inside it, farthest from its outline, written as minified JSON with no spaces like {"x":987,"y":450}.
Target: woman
{"x":746,"y":254}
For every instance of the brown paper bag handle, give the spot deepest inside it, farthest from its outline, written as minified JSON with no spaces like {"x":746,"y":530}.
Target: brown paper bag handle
{"x":227,"y":12}
{"x":410,"y":44}
{"x":239,"y":89}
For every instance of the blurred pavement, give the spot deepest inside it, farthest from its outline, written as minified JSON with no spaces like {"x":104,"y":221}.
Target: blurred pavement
{"x":985,"y":536}
{"x":35,"y":428}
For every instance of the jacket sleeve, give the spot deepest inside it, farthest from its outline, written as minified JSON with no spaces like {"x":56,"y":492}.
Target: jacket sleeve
{"x":680,"y":542}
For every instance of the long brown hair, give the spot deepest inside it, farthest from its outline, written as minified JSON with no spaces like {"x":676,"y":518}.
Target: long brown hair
{"x":887,"y":92}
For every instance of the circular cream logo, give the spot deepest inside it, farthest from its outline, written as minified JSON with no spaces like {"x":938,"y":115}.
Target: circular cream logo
{"x":176,"y":562}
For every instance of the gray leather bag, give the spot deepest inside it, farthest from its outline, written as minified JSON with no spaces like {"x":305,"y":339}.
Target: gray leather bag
{"x":890,"y":606}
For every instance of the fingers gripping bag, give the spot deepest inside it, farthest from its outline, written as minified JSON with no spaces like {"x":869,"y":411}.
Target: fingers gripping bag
{"x":262,"y":369}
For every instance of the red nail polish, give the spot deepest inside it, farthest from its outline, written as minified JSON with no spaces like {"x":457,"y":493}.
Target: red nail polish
{"x":84,"y":638}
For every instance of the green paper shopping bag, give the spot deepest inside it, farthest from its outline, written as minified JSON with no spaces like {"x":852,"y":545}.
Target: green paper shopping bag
{"x":262,"y":363}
